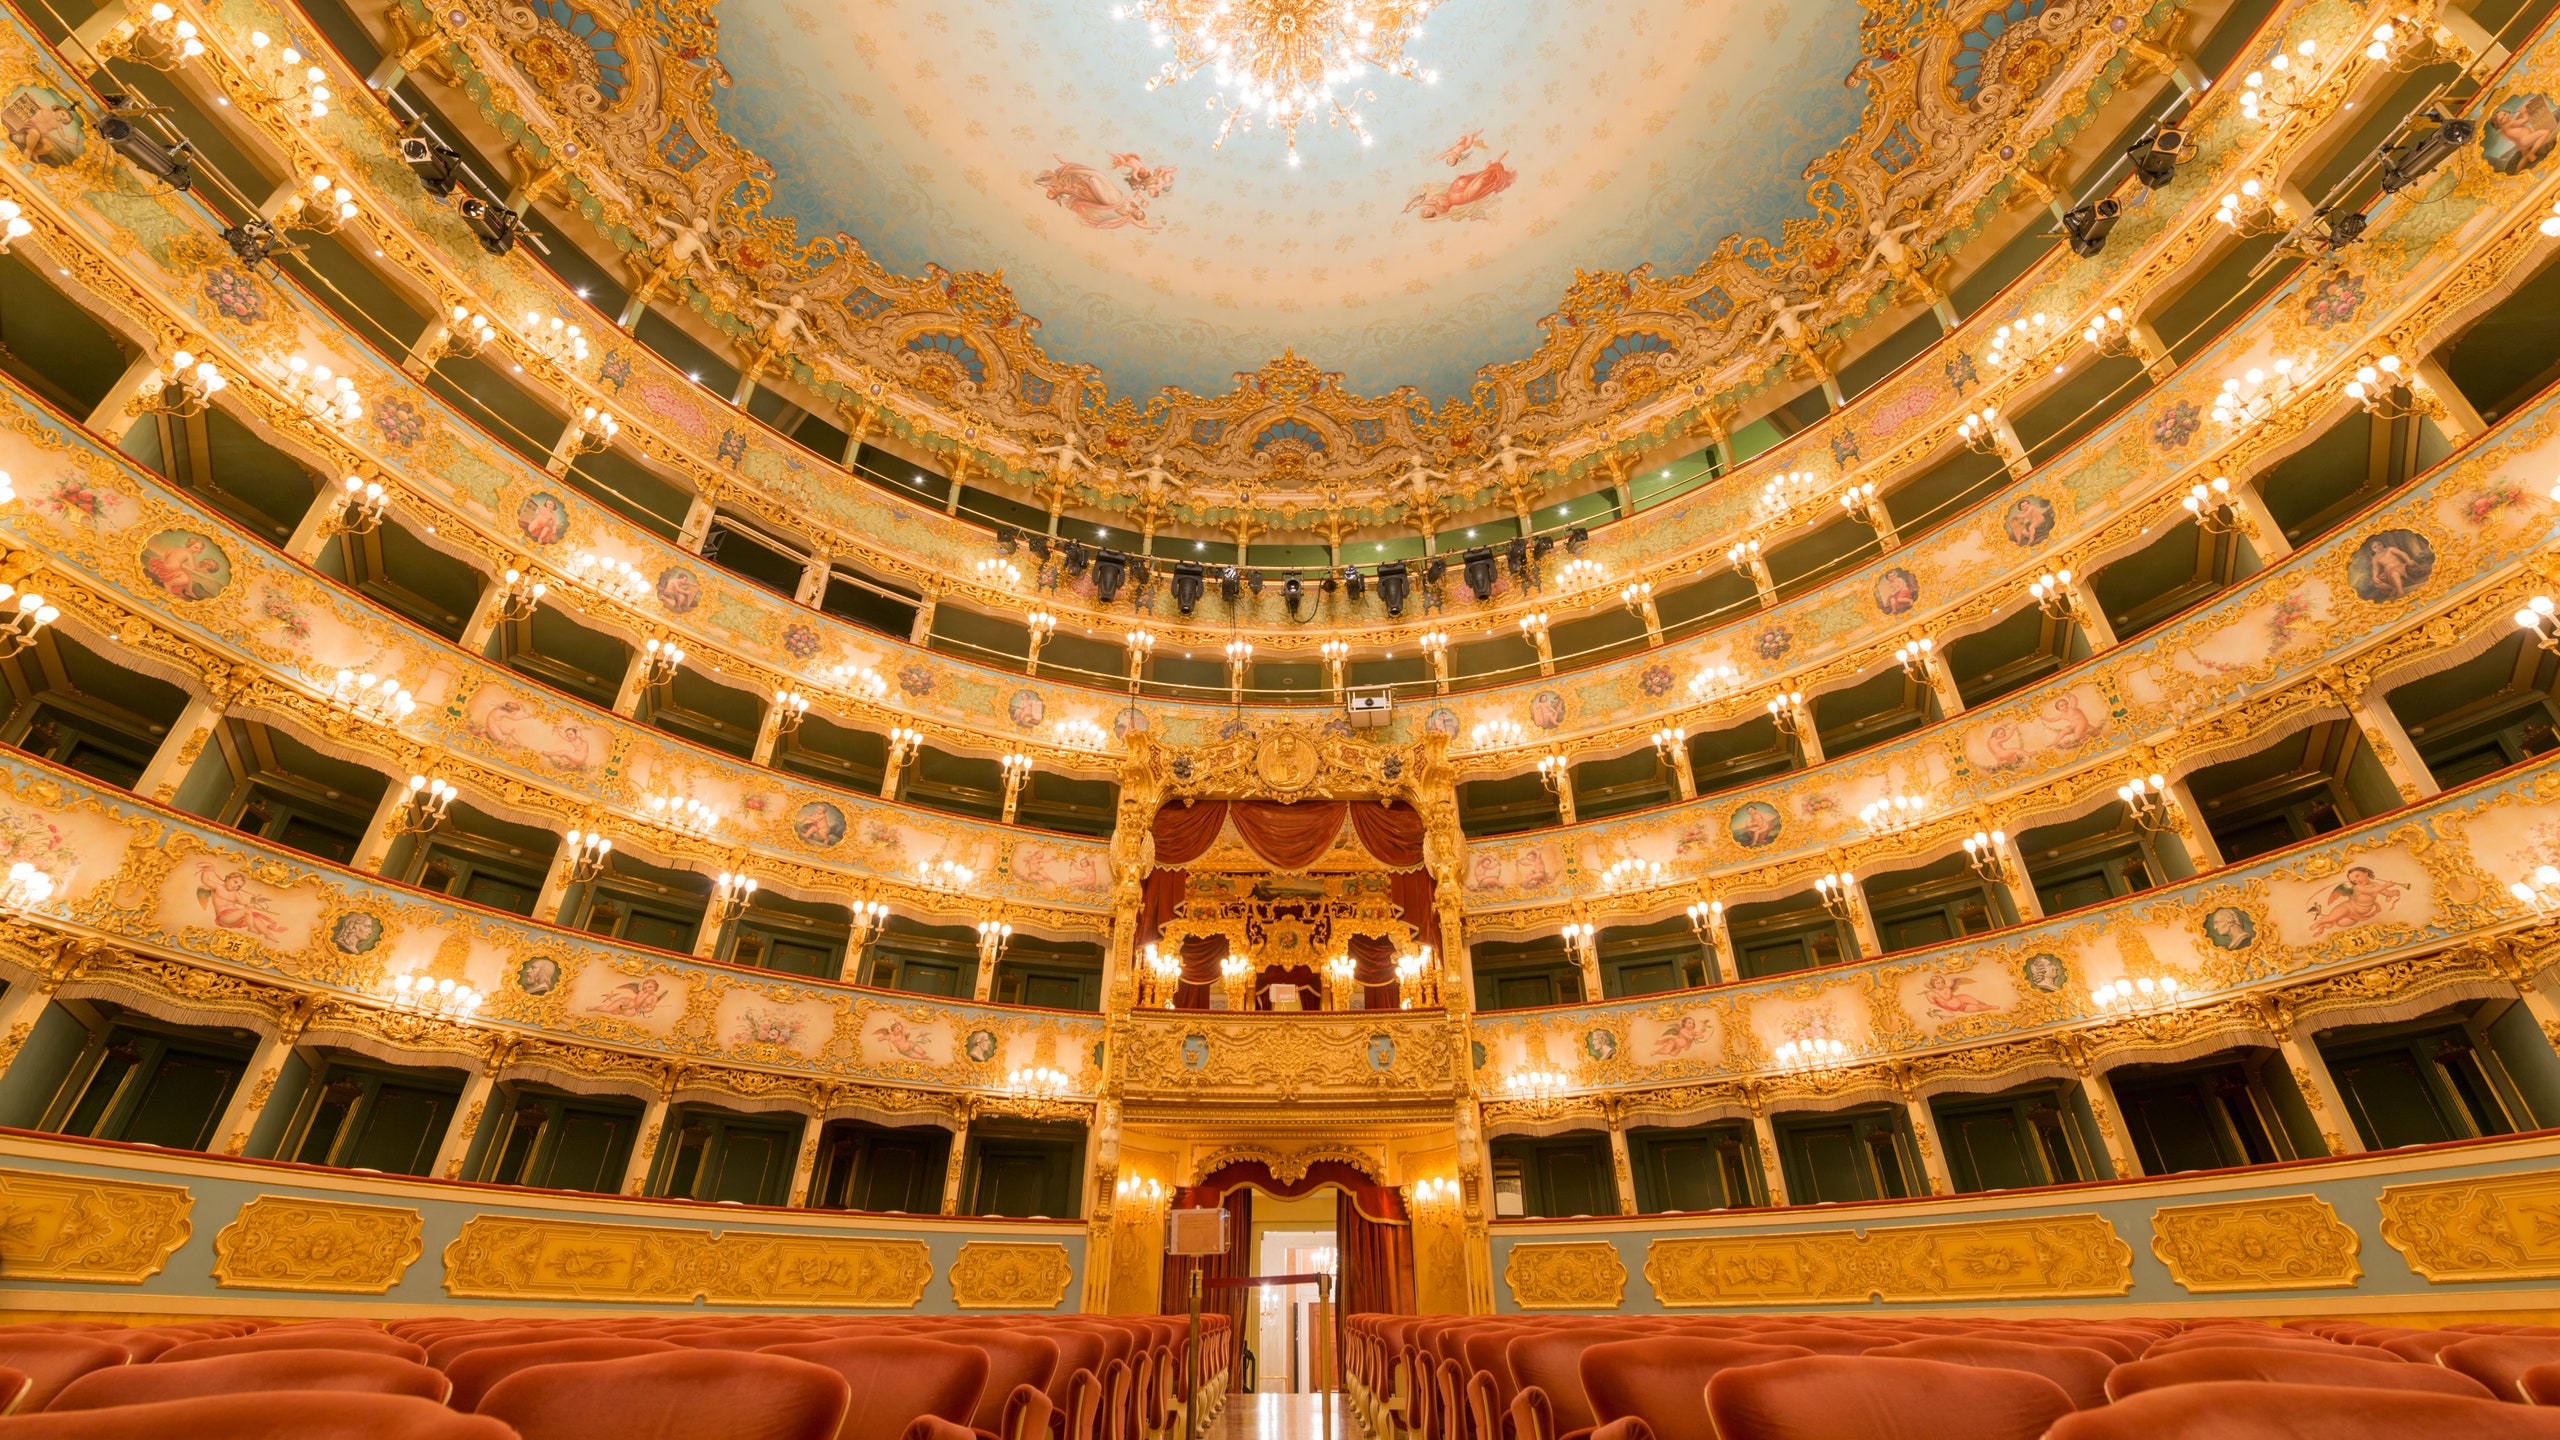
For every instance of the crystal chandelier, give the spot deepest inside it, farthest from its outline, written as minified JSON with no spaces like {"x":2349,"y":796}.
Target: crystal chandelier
{"x":1286,"y":61}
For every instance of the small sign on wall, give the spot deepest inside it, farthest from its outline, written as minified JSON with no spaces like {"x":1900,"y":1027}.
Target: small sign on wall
{"x":1197,"y":1232}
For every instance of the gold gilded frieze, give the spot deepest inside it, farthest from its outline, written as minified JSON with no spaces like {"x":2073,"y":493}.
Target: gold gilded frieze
{"x":1566,"y":1275}
{"x":1009,"y":1275}
{"x":522,"y":1258}
{"x":2044,"y":1257}
{"x":66,"y":1227}
{"x":277,"y":1243}
{"x":2497,"y":1227}
{"x":2288,"y":1242}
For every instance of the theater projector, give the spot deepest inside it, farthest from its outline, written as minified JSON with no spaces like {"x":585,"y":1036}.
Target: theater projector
{"x":1370,"y":708}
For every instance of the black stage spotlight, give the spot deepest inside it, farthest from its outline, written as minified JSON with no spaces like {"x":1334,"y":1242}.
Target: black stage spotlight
{"x":1253,"y":583}
{"x":1292,"y":590}
{"x":1071,"y":555}
{"x":1186,"y":585}
{"x":1007,"y":539}
{"x":496,"y":225}
{"x":1437,"y":570}
{"x":1110,"y":570}
{"x":2088,"y":227}
{"x":171,"y":165}
{"x":1392,"y":586}
{"x":253,"y":240}
{"x":2156,"y":159}
{"x":1230,"y":584}
{"x":1479,"y":563}
{"x":1039,"y":547}
{"x":1516,"y":554}
{"x":1354,"y":581}
{"x":1575,"y":539}
{"x":2347,"y":229}
{"x":1544,"y":546}
{"x":2412,"y":158}
{"x":439,"y":167}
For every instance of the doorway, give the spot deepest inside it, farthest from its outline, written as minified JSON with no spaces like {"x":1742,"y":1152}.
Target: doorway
{"x":1292,"y":1333}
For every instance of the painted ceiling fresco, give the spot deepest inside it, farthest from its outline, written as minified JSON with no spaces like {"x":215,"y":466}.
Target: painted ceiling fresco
{"x":1016,"y":135}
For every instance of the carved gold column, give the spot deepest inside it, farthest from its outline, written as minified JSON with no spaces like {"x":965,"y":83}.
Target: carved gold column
{"x":476,"y":1091}
{"x":180,"y":747}
{"x":653,"y":1124}
{"x":1101,"y":1186}
{"x":2383,"y":732}
{"x":2074,"y":1048}
{"x":805,"y":1167}
{"x":25,"y":1003}
{"x":266,"y":1064}
{"x":1924,"y":1136}
{"x":1772,"y":1177}
{"x":951,"y":1170}
{"x":1615,"y":1112}
{"x":2311,"y":1076}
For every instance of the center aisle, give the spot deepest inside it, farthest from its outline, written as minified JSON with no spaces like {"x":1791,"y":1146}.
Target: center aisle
{"x":1284,"y":1417}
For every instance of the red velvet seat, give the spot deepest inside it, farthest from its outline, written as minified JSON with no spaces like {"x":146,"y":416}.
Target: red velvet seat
{"x":2285,"y":1367}
{"x":895,"y":1378}
{"x":2082,"y":1374}
{"x":1550,"y":1362}
{"x":2541,"y":1384}
{"x":1822,"y":1340}
{"x":14,"y":1385}
{"x":2423,"y":1348}
{"x":1013,"y":1358}
{"x":1842,"y":1397}
{"x":2499,"y":1361}
{"x":2304,"y":1412}
{"x":251,"y":1374}
{"x":475,"y":1373}
{"x":443,"y":1350}
{"x":680,"y":1396}
{"x":52,"y":1361}
{"x":1663,"y":1378}
{"x":296,"y":1337}
{"x":273,"y":1415}
{"x":751,"y":1337}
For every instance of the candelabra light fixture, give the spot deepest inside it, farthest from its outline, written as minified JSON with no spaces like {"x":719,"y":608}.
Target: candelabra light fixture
{"x":422,"y":808}
{"x":466,"y":334}
{"x":448,"y":999}
{"x":14,"y":225}
{"x":1576,"y":576}
{"x":1157,"y":979}
{"x":1080,"y":734}
{"x":992,"y":935}
{"x":1980,"y":431}
{"x":1860,"y":502}
{"x":2538,"y":891}
{"x":997,"y":571}
{"x":790,"y":707}
{"x":1893,"y":814}
{"x":1040,"y":625}
{"x":2215,"y":508}
{"x":862,"y":680}
{"x":1745,"y":556}
{"x":683,"y":812}
{"x":1496,"y":734}
{"x":157,"y":38}
{"x":2138,"y":995}
{"x":904,"y":740}
{"x":1703,"y":919}
{"x":555,"y":339}
{"x":1043,"y":1082}
{"x":25,"y":888}
{"x":617,"y":579}
{"x":2375,"y":384}
{"x":1630,"y":873}
{"x":1554,"y":771}
{"x":1784,"y":494}
{"x":2054,"y":595}
{"x":288,"y":79}
{"x":1286,"y":63}
{"x":22,"y":622}
{"x":2146,"y":798}
{"x":1435,"y":1194}
{"x":1636,"y":596}
{"x":1809,"y":1053}
{"x":320,"y":205}
{"x":1141,"y":644}
{"x":1786,"y":711}
{"x":588,"y":850}
{"x":372,"y":697}
{"x":2254,"y":394}
{"x":945,"y":874}
{"x":2109,"y":332}
{"x":1713,"y":682}
{"x":658,"y":662}
{"x":2537,"y":616}
{"x":1913,"y":657}
{"x":518,"y":596}
{"x":361,"y":506}
{"x":2266,"y":94}
{"x":183,"y":389}
{"x":320,"y":394}
{"x":1536,"y":1084}
{"x":1667,"y":743}
{"x":869,"y":916}
{"x":1533,"y":626}
{"x":2015,"y":340}
{"x":730,"y":894}
{"x":594,"y":430}
{"x":1988,"y":854}
{"x":1839,"y":894}
{"x":1582,"y":942}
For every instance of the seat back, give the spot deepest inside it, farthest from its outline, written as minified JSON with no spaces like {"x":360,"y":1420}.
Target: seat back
{"x":253,"y":1373}
{"x":1662,"y":1379}
{"x":52,"y":1361}
{"x":2082,"y":1374}
{"x":1083,"y":1413}
{"x":1842,"y":1397}
{"x":475,"y":1372}
{"x":734,"y":1395}
{"x":895,"y":1378}
{"x":14,"y":1385}
{"x":2283,"y":1367}
{"x":2304,"y":1412}
{"x":296,"y":1337}
{"x":2270,"y":1340}
{"x":1552,"y":1361}
{"x":2499,"y":1361}
{"x":1014,"y":1358}
{"x":312,"y":1415}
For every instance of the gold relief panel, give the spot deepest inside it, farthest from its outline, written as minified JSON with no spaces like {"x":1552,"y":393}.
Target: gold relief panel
{"x":2500,"y":1227}
{"x":854,"y":1272}
{"x":64,"y":1227}
{"x":2289,"y":1242}
{"x":2042,"y":1258}
{"x":992,"y":1275}
{"x":1567,"y":1275}
{"x":520,"y":1258}
{"x":281,"y":1244}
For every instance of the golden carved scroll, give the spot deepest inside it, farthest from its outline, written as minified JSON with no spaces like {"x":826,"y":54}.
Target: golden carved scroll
{"x":68,"y":1227}
{"x":994,"y":1275}
{"x":514,"y":1257}
{"x":276,"y":1243}
{"x":2043,"y":1257}
{"x":2287,"y":1242}
{"x":2497,"y":1227}
{"x":1570,"y":1275}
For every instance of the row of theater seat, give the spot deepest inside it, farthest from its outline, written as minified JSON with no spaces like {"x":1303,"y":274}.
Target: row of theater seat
{"x":1005,"y":1377}
{"x":1804,"y":1377}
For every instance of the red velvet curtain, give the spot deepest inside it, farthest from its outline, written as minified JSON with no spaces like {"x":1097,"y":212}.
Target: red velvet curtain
{"x":1184,"y":833}
{"x":1377,"y":1261}
{"x":1310,"y":990}
{"x":1373,"y":969}
{"x":1392,"y":833}
{"x":1290,"y":837}
{"x":1200,"y":957}
{"x":1417,"y":898}
{"x":1174,"y":1298}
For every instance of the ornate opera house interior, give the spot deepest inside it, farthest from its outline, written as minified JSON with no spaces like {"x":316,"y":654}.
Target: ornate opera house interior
{"x":1268,"y":719}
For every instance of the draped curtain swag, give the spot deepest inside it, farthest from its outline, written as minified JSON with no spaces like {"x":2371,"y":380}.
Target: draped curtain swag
{"x":1372,"y":1232}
